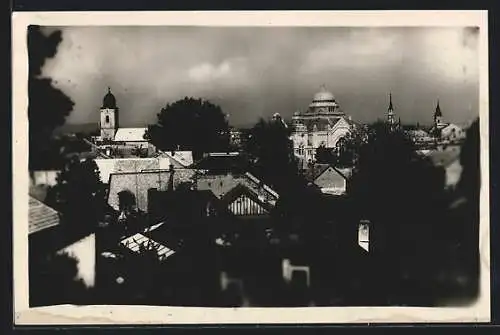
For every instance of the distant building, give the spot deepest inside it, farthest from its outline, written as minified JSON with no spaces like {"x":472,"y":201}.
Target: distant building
{"x":235,"y":137}
{"x":391,"y":116}
{"x":419,"y":136}
{"x":116,"y":141}
{"x":446,"y":132}
{"x":139,"y":183}
{"x":322,"y":124}
{"x":329,"y":179}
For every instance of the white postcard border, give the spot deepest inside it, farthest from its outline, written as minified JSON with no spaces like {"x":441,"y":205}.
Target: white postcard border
{"x":67,"y":314}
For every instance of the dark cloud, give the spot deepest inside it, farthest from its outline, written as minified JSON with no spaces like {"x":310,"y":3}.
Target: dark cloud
{"x":254,"y":72}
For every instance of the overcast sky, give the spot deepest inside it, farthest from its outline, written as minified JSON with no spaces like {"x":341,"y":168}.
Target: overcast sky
{"x":253,"y":72}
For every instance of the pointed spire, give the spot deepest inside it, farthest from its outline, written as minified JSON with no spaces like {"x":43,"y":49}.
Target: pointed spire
{"x":391,"y":107}
{"x":438,"y":110}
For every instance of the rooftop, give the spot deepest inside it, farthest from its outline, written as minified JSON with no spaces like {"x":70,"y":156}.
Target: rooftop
{"x":41,"y":216}
{"x":130,"y":135}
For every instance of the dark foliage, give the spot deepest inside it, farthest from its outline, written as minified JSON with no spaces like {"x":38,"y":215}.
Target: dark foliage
{"x":346,"y":152}
{"x":48,"y":106}
{"x":324,"y":155}
{"x":403,"y":196}
{"x":53,"y":281}
{"x":271,"y":153}
{"x":190,"y":124}
{"x":79,"y":195}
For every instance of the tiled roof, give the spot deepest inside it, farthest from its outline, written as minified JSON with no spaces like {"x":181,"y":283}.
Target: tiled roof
{"x":222,"y":184}
{"x":41,"y":216}
{"x":130,"y":135}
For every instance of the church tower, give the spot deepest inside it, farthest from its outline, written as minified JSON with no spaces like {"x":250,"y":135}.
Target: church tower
{"x":390,"y":113}
{"x":109,"y":117}
{"x":438,"y":116}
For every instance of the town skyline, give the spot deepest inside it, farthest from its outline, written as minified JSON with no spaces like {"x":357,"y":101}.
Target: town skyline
{"x":250,"y":77}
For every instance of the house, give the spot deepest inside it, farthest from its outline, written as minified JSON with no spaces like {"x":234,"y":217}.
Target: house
{"x":138,"y":183}
{"x":117,"y":165}
{"x":242,"y":202}
{"x":419,"y":136}
{"x":329,"y":179}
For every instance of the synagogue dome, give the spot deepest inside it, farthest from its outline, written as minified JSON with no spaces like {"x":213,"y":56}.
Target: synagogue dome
{"x":323,"y":102}
{"x":323,"y":96}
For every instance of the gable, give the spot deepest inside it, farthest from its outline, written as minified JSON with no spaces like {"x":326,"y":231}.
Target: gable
{"x":330,"y":178}
{"x":342,"y":123}
{"x":243,"y":205}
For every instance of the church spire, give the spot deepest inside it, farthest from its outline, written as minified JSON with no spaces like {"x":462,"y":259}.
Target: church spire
{"x":391,"y":107}
{"x":438,"y":110}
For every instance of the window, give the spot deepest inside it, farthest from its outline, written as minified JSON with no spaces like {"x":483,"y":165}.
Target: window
{"x":107,"y":118}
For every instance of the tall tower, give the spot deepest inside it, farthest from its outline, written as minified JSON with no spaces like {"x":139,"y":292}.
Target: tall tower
{"x":438,"y":116}
{"x":109,"y":116}
{"x":390,"y":113}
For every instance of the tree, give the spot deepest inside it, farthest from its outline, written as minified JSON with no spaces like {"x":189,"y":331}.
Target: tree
{"x":79,"y":195}
{"x":464,"y":217}
{"x":56,"y":271}
{"x":190,"y":124}
{"x":48,"y":107}
{"x":402,"y":194}
{"x":346,"y":151}
{"x":271,"y":153}
{"x":324,"y":155}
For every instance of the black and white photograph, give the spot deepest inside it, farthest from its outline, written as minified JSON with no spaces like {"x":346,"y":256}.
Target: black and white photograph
{"x":241,"y":166}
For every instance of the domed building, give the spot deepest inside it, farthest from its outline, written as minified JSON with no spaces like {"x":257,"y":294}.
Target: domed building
{"x":322,"y":124}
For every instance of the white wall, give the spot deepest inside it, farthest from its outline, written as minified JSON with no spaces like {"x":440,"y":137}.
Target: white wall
{"x":84,"y":251}
{"x":45,"y":177}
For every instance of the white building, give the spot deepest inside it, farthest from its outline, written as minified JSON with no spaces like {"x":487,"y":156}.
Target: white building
{"x":323,"y":123}
{"x":447,"y":132}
